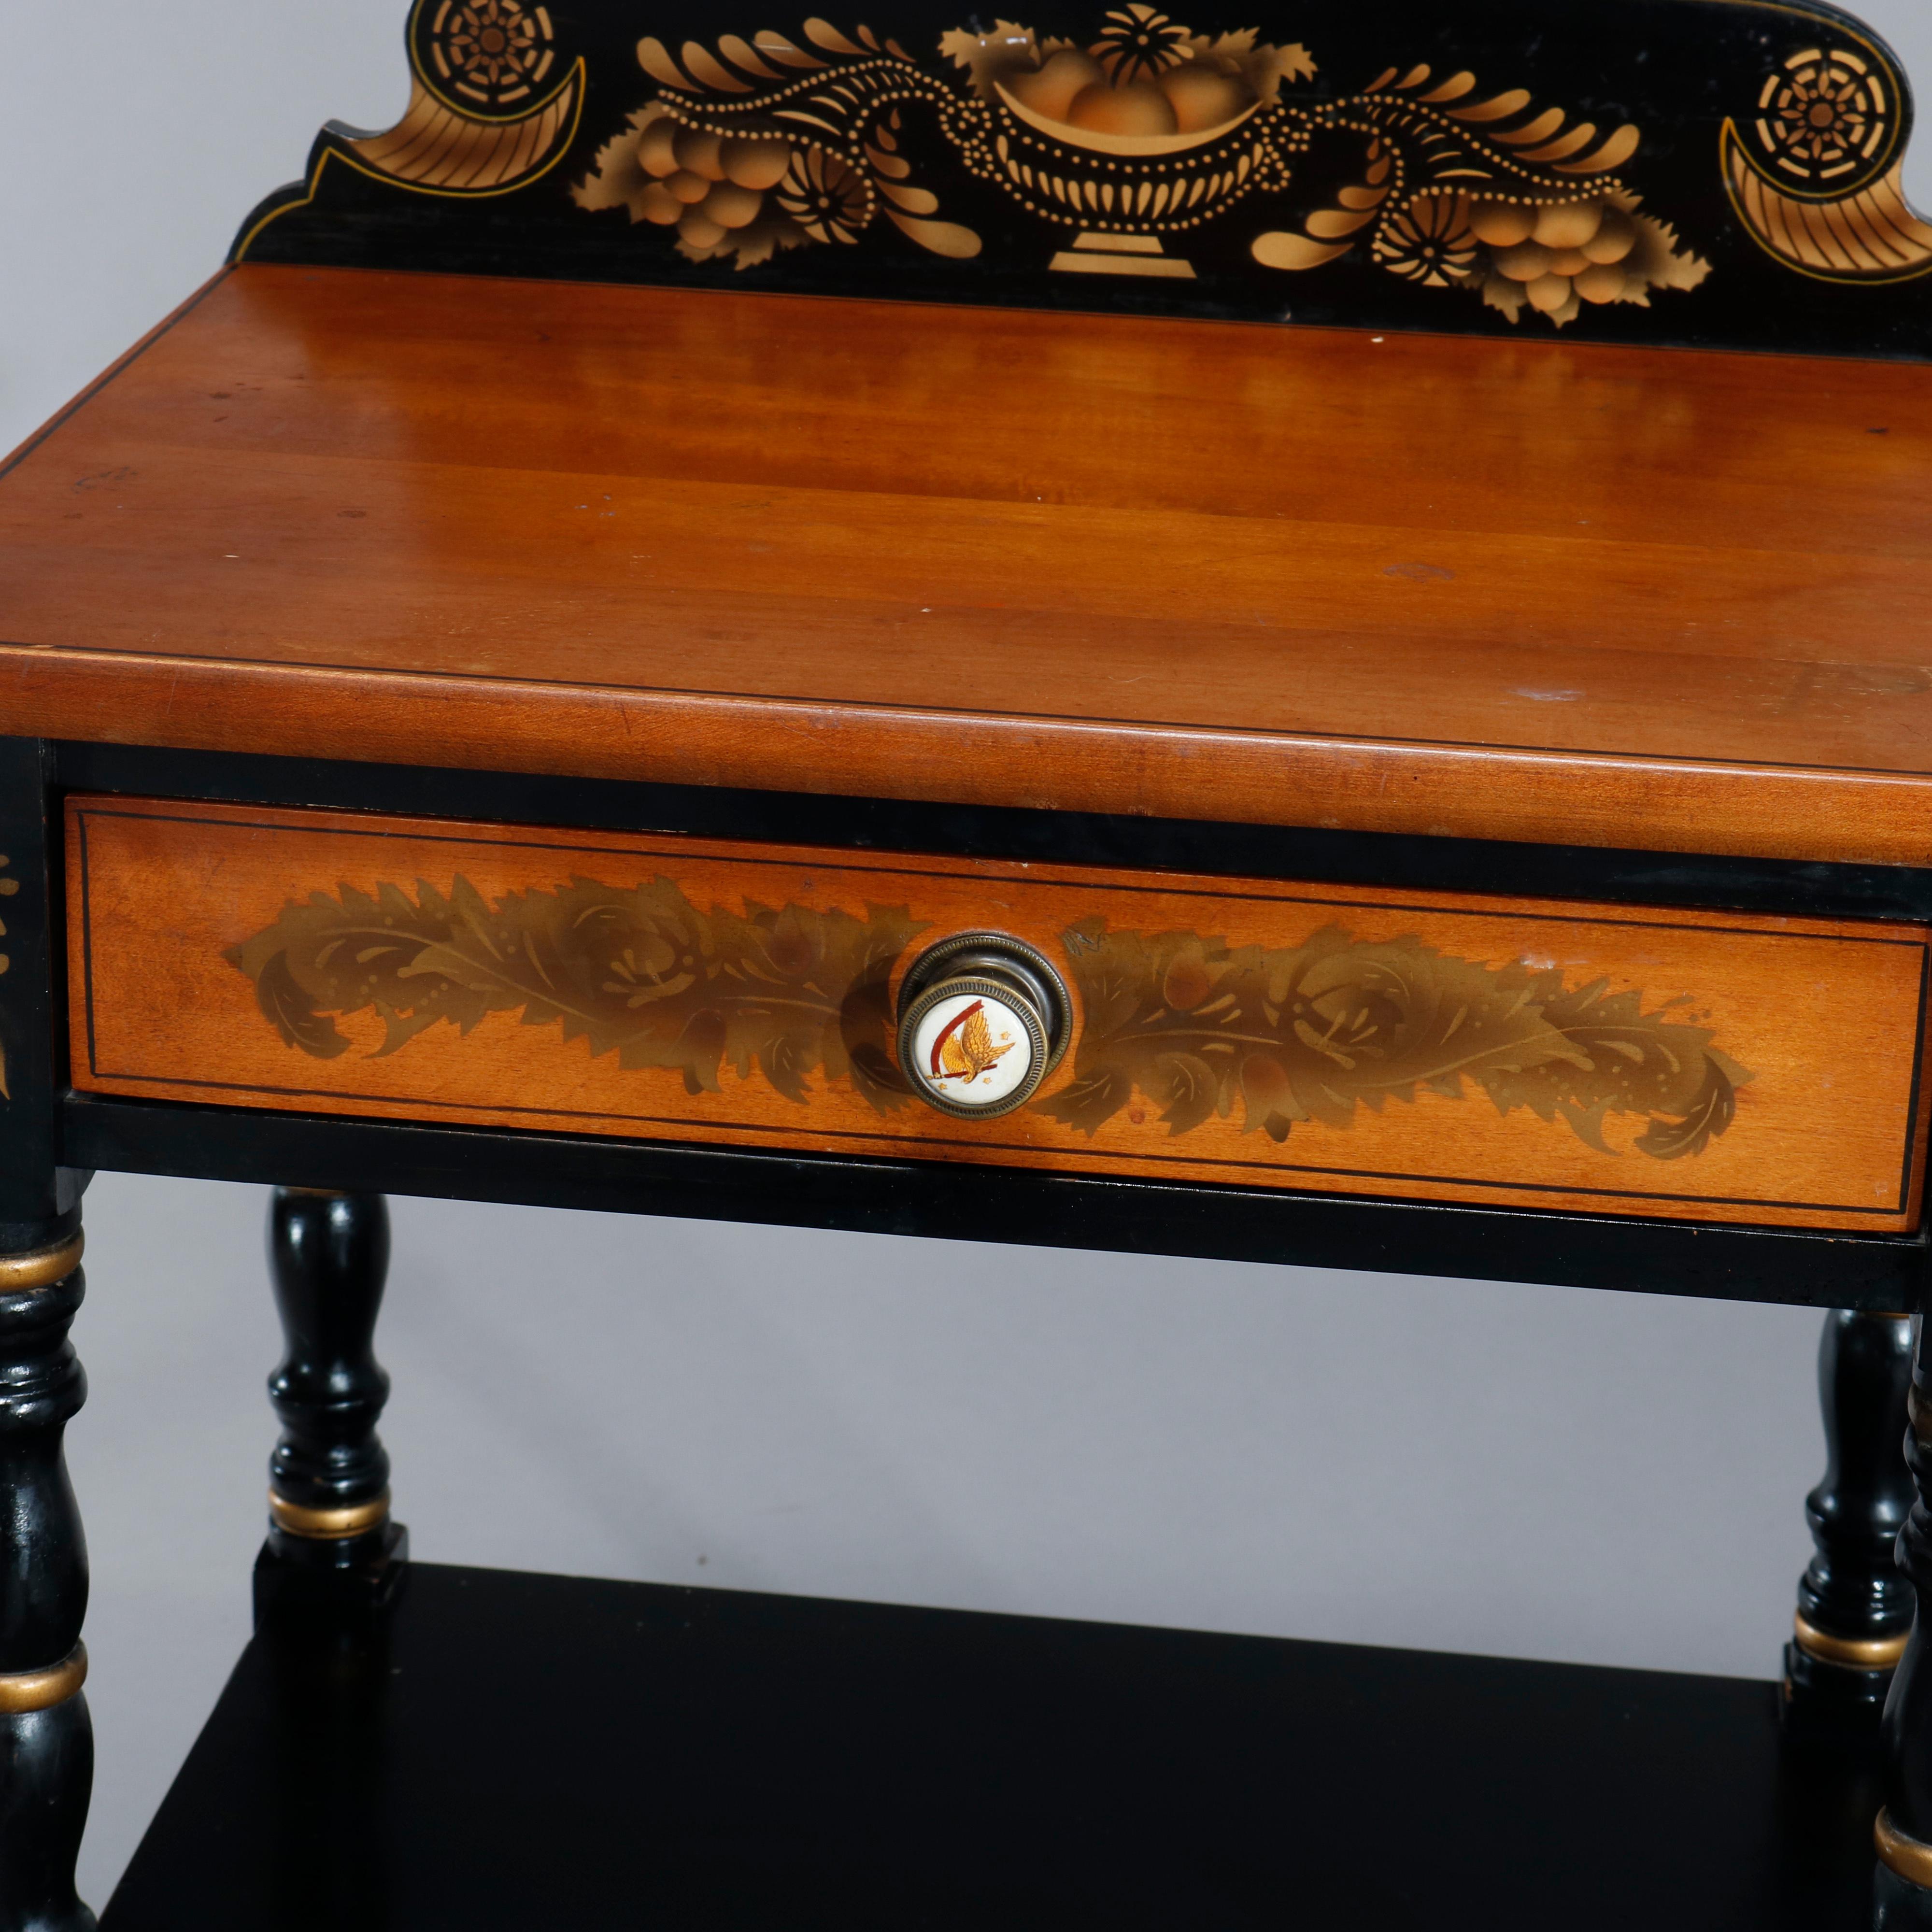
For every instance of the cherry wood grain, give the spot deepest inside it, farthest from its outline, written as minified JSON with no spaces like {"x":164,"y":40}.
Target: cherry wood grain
{"x":701,"y":991}
{"x":1518,"y":589}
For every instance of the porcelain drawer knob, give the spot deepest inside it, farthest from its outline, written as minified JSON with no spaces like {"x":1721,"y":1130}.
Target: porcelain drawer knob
{"x":983,"y":1019}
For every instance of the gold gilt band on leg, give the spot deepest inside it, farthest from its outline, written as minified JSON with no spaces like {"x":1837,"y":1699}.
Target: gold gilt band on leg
{"x":1910,"y":1858}
{"x":1873,"y":1653}
{"x":326,"y":1524}
{"x":42,"y":1689}
{"x":41,"y":1268}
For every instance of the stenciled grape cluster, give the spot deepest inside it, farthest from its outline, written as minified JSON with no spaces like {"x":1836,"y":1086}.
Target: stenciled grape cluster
{"x":1550,"y":257}
{"x":706,"y":185}
{"x":1558,"y":255}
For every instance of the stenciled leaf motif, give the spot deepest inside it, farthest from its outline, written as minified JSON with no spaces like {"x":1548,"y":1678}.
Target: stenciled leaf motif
{"x":284,"y":1004}
{"x":1314,"y":1032}
{"x":1089,"y":1099}
{"x":634,"y":970}
{"x":1187,"y":1086}
{"x":1713,"y":1110}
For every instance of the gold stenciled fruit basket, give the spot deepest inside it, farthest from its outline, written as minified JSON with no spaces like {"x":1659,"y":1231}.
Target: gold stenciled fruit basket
{"x":1152,"y":129}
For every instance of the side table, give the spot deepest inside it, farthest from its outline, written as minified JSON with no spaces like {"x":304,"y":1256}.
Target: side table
{"x":1190,"y":637}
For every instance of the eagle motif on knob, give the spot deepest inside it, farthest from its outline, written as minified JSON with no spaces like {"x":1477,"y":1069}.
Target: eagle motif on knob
{"x":965,"y":1048}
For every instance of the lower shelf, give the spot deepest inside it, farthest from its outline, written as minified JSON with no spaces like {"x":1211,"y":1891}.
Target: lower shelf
{"x":547,"y":1751}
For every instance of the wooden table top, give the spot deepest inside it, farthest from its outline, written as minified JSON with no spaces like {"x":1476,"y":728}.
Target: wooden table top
{"x":1510,"y":588}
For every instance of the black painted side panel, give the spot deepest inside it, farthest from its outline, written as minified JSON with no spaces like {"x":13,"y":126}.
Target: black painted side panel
{"x":33,"y":1195}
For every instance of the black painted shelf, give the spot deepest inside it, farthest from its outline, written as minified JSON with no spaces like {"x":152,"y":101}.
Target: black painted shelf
{"x":538,"y":1751}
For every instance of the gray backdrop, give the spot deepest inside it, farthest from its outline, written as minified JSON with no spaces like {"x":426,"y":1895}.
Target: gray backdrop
{"x":1608,"y":1478}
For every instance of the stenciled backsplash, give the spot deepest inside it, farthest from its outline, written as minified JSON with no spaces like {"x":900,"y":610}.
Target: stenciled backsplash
{"x":1684,"y":172}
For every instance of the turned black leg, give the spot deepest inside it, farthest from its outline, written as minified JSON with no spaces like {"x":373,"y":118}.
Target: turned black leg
{"x":333,"y":1562}
{"x":1854,"y":1605}
{"x":332,"y":1540}
{"x":47,"y":1741}
{"x":1904,"y":1827}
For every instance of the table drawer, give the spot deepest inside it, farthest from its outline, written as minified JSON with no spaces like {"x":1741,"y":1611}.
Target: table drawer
{"x":1423,"y":1045}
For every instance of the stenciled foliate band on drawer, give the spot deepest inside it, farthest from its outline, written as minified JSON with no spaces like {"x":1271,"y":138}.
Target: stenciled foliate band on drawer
{"x":1704,"y":1067}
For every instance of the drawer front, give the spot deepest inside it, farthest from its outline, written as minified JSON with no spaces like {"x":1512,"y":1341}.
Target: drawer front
{"x":1430,"y":1045}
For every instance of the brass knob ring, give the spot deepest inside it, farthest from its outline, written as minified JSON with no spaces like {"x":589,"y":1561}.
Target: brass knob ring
{"x":983,"y":1019}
